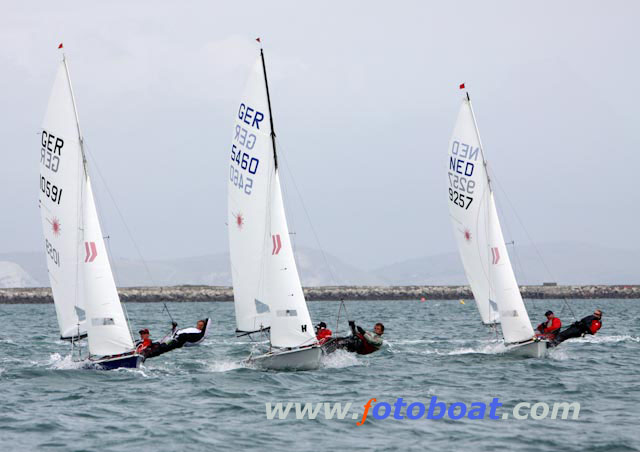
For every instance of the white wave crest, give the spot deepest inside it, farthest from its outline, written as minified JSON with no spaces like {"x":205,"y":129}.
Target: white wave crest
{"x":558,"y":354}
{"x":225,"y":366}
{"x":59,"y":362}
{"x":340,"y":359}
{"x":609,"y":339}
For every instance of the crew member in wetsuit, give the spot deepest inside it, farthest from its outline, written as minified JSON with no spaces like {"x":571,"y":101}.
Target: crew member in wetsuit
{"x":176,"y":340}
{"x":549,"y":329}
{"x":588,"y":325}
{"x":361,"y":342}
{"x":323,"y":334}
{"x":189,"y":334}
{"x":144,"y":341}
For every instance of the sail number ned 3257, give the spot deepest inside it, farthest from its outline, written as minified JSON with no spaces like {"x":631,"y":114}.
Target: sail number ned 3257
{"x":461,"y":184}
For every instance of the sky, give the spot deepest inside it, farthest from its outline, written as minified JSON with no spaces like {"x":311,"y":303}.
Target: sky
{"x":365,"y":96}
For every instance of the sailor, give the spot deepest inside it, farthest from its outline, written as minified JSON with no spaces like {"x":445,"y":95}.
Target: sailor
{"x":175,"y":339}
{"x":588,"y":325}
{"x":191,"y":335}
{"x":144,"y":341}
{"x":323,"y":334}
{"x":361,"y":342}
{"x":549,"y":329}
{"x":371,"y":340}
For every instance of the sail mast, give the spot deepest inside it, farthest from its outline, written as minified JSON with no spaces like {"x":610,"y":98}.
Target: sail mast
{"x":75,"y":112}
{"x":273,"y":133}
{"x":475,"y":124}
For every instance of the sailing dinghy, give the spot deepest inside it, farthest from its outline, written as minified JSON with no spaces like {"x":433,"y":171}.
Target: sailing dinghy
{"x":267,"y":292}
{"x":483,"y":252}
{"x":84,"y":291}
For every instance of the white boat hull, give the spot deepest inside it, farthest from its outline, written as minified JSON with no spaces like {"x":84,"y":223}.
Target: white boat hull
{"x":307,"y":358}
{"x":533,"y":349}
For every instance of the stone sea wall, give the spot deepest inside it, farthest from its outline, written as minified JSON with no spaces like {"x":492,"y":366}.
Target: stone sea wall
{"x":217,"y":293}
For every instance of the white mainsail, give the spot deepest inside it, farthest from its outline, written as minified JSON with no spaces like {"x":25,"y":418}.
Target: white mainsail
{"x":266,"y":285}
{"x":469,"y":192}
{"x":479,"y":235}
{"x":79,"y":268}
{"x":248,"y":197}
{"x":61,"y":169}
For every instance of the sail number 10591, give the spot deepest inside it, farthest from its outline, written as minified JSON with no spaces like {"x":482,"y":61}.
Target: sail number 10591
{"x":50,"y":190}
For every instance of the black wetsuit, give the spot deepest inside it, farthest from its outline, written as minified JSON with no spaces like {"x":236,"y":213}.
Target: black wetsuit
{"x":177,"y":341}
{"x":356,"y":343}
{"x":577,"y":329}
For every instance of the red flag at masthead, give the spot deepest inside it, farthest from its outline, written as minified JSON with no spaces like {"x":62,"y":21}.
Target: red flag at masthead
{"x":60,"y":46}
{"x":462,"y":86}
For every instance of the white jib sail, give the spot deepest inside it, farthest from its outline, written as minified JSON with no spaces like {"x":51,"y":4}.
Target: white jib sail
{"x":516,"y":326}
{"x":107,"y":329}
{"x":290,"y":320}
{"x":266,"y":286}
{"x":468,"y":194}
{"x":60,"y":209}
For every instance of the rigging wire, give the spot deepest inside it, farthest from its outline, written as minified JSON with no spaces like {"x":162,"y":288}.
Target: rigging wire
{"x":511,"y":204}
{"x":515,"y":212}
{"x":126,"y":226}
{"x":313,"y":230}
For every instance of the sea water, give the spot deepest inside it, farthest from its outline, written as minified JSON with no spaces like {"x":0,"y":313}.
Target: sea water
{"x":206,"y":398}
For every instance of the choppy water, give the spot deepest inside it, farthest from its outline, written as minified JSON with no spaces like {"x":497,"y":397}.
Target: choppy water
{"x":203,"y":398}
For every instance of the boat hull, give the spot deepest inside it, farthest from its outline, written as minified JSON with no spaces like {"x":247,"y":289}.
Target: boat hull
{"x":532,"y":349}
{"x":307,"y":358}
{"x":131,"y":361}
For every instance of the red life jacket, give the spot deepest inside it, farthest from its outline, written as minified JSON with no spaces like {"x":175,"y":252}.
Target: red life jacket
{"x":143,"y":345}
{"x":555,"y":325}
{"x":323,"y":335}
{"x":595,"y":326}
{"x":366,"y":346}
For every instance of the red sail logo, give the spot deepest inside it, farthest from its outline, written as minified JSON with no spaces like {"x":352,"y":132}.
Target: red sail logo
{"x":92,"y":252}
{"x":277,"y":244}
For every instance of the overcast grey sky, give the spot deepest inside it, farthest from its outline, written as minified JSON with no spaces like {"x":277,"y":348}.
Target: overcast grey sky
{"x":365,"y":95}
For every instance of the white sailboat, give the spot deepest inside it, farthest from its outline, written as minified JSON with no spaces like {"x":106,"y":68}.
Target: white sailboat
{"x":267,"y":292}
{"x":480,"y":241}
{"x":84,"y":291}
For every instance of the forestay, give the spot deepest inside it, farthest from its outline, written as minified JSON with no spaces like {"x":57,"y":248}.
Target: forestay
{"x":61,"y":170}
{"x":469,"y":193}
